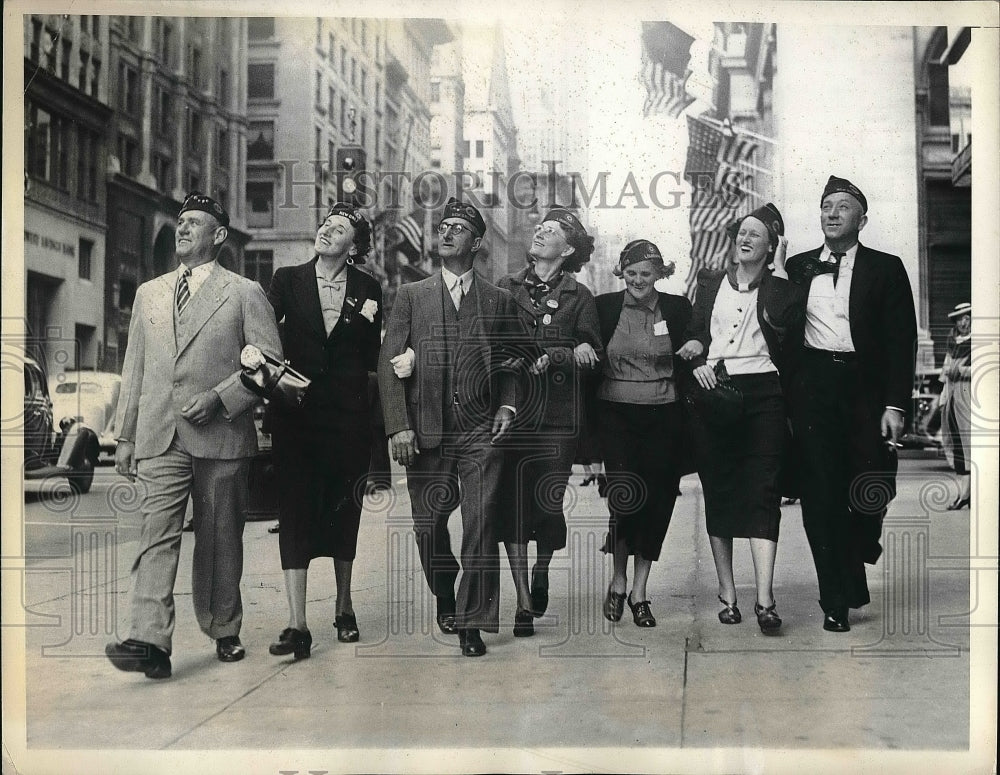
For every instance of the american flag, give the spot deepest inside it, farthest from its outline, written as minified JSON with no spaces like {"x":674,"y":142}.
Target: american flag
{"x":703,"y":151}
{"x":666,"y":51}
{"x":736,"y":147}
{"x":410,"y":238}
{"x":708,"y":251}
{"x":712,"y":210}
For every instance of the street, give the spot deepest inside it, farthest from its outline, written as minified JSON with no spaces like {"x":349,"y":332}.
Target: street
{"x":690,"y":683}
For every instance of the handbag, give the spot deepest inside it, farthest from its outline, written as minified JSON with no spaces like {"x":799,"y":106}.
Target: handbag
{"x":271,"y":379}
{"x":722,"y":405}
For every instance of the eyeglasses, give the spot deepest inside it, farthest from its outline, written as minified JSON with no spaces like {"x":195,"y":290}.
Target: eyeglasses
{"x":454,"y":228}
{"x":547,"y":231}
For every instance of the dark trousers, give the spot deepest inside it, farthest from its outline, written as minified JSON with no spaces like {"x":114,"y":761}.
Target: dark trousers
{"x":464,"y":470}
{"x":642,"y":446}
{"x":847,"y":479}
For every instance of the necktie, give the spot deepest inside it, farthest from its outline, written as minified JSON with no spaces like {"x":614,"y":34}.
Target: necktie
{"x":457,"y":292}
{"x":183,"y":291}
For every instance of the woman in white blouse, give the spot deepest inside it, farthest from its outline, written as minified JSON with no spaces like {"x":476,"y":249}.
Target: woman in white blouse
{"x":738,"y":317}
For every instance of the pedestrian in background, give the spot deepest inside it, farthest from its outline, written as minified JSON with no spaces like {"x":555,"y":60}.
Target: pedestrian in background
{"x":851,"y":378}
{"x":739,"y":319}
{"x":331,"y":318}
{"x":641,"y":420}
{"x":186,"y":430}
{"x":956,"y":402}
{"x":561,"y":316}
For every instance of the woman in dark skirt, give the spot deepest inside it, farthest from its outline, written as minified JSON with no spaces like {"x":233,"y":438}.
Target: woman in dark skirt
{"x":956,"y":402}
{"x":331,"y":316}
{"x":736,"y":312}
{"x":561,"y":317}
{"x":641,"y":421}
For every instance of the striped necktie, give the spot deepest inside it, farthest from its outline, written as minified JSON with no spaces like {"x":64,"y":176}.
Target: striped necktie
{"x":457,"y":292}
{"x":183,"y":291}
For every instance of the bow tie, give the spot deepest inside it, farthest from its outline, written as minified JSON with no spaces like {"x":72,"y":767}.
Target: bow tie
{"x":538,"y":288}
{"x":810,"y":267}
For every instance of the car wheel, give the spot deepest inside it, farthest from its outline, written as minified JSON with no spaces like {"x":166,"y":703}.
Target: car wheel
{"x":82,"y":478}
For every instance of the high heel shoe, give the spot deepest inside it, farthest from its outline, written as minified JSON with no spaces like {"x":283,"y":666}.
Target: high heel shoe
{"x":767,"y":618}
{"x":292,"y":641}
{"x":614,"y":606}
{"x":730,"y":614}
{"x":589,"y":480}
{"x":959,"y":503}
{"x":602,"y":485}
{"x":641,"y":613}
{"x":347,"y":628}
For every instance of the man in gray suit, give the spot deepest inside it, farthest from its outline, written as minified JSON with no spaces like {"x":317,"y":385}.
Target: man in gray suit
{"x":448,"y":399}
{"x":185,"y":431}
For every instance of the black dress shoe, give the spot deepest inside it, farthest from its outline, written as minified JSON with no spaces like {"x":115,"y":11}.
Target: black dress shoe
{"x":229,"y":649}
{"x":539,"y":591}
{"x":471,"y":643}
{"x":730,"y":614}
{"x":292,"y":641}
{"x":614,"y":606}
{"x":641,"y":613}
{"x":589,"y":480}
{"x":446,"y":616}
{"x":274,"y":528}
{"x":136,"y":656}
{"x":524,"y":624}
{"x":347,"y":628}
{"x":835,"y":620}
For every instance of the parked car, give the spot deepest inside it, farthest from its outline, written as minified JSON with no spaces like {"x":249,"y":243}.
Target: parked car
{"x":923,"y":428}
{"x":70,"y":451}
{"x":90,"y":397}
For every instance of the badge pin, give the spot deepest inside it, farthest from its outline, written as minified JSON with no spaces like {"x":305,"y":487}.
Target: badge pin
{"x":546,"y":319}
{"x":552,"y":303}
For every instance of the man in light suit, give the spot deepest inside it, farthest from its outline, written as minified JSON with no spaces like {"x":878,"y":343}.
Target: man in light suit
{"x":186,"y":431}
{"x":850,"y":361}
{"x":447,"y":400}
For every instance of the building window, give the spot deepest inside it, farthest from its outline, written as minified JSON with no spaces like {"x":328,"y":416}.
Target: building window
{"x":260,"y":205}
{"x":364,"y":131}
{"x":465,"y":149}
{"x":319,"y":88}
{"x":260,"y":146}
{"x":259,"y":265}
{"x":194,"y":130}
{"x":318,"y":144}
{"x":354,"y":73}
{"x":319,"y":32}
{"x":364,"y":35}
{"x":343,"y":114}
{"x":129,"y":86}
{"x":196,"y":67}
{"x":84,"y":254}
{"x":95,"y":27}
{"x":260,"y":81}
{"x":378,"y":94}
{"x":84,"y":61}
{"x":330,"y":155}
{"x":165,"y":112}
{"x":260,"y":27}
{"x":164,"y":42}
{"x":435,"y":91}
{"x":331,"y":49}
{"x":364,"y":82}
{"x":50,"y":49}
{"x":193,"y":181}
{"x":65,"y":62}
{"x":36,"y":40}
{"x":95,"y":76}
{"x":479,"y":149}
{"x":223,"y":87}
{"x":331,"y":102}
{"x":222,"y":148}
{"x":937,"y":91}
{"x":343,"y":63}
{"x":378,"y":142}
{"x":60,"y":152}
{"x":134,"y":30}
{"x":128,"y":155}
{"x":83,"y":150}
{"x":39,"y":127}
{"x":161,"y":172}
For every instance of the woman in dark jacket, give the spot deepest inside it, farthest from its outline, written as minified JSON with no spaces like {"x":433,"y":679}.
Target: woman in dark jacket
{"x":641,"y":420}
{"x":561,"y":317}
{"x":331,"y":316}
{"x":739,"y":316}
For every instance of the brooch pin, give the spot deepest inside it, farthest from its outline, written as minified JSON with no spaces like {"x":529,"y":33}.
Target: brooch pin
{"x":552,"y":303}
{"x":547,"y":318}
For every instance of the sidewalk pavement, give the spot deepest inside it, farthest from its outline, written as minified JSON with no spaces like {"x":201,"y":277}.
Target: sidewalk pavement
{"x":898,"y":681}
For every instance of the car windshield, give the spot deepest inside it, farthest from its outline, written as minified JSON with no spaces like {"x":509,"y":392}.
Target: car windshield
{"x":84,"y":387}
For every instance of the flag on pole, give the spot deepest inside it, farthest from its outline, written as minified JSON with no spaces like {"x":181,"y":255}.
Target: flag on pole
{"x":702,"y":161}
{"x":736,"y":148}
{"x":410,"y":238}
{"x":711,"y":210}
{"x":708,"y":251}
{"x":666,"y":51}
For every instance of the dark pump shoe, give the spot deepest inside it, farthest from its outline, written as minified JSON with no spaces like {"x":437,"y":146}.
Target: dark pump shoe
{"x":767,"y":618}
{"x":135,"y":656}
{"x":292,"y":641}
{"x":347,"y":628}
{"x":524,"y":624}
{"x":730,"y":614}
{"x":641,"y":613}
{"x":614,"y":606}
{"x":835,"y":620}
{"x":229,"y":649}
{"x":446,"y":616}
{"x":471,"y":643}
{"x":539,"y":590}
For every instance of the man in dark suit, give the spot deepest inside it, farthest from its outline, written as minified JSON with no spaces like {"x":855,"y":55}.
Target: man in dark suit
{"x":185,"y":431}
{"x":851,"y":360}
{"x":447,"y":401}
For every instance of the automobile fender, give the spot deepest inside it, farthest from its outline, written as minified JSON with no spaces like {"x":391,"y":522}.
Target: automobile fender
{"x":79,"y":445}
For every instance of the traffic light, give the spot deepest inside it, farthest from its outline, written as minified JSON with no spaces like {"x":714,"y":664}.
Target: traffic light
{"x":350,"y":168}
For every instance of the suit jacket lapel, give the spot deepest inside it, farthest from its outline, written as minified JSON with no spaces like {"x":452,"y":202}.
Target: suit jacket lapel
{"x":347,"y":311}
{"x":212,"y":295}
{"x":860,"y":285}
{"x":306,"y":294}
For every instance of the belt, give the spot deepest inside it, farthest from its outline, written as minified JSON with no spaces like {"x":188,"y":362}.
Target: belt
{"x":832,"y":356}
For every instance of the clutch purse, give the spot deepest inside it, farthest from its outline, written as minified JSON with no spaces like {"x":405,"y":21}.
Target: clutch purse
{"x":271,"y":379}
{"x":722,"y":405}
